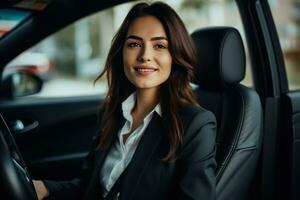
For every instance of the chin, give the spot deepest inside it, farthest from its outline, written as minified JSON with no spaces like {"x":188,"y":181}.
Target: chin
{"x":144,"y":86}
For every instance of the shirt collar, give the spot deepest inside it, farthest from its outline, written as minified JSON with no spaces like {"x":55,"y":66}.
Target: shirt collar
{"x":157,"y":109}
{"x":129,"y":103}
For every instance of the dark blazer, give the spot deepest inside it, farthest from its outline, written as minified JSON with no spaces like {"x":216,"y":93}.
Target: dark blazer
{"x":147,"y":176}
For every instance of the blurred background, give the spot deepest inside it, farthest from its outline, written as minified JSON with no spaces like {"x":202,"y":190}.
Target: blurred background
{"x":69,"y":61}
{"x":286,"y":14}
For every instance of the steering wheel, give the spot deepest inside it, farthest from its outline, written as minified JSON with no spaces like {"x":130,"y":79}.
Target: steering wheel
{"x":15,"y":181}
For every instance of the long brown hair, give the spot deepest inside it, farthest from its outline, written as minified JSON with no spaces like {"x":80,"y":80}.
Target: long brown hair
{"x":174,"y":93}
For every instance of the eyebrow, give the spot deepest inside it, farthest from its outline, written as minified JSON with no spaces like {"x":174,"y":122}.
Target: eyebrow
{"x":141,"y":39}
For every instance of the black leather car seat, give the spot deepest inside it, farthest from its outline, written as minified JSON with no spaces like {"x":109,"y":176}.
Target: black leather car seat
{"x":237,"y":108}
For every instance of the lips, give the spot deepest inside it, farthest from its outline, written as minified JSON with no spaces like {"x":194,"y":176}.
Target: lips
{"x":145,"y":70}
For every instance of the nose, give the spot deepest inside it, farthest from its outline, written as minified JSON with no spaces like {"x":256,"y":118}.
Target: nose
{"x":145,"y":54}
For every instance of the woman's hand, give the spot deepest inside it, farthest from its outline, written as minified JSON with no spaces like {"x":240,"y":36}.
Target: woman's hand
{"x":40,"y":188}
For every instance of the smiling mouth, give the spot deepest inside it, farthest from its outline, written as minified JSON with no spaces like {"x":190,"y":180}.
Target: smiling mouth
{"x":138,"y":69}
{"x":145,"y":70}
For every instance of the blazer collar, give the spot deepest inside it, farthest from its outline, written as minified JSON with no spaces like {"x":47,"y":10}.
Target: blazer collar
{"x":145,"y":149}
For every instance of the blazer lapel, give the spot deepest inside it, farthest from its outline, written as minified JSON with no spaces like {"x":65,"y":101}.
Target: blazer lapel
{"x":94,"y":188}
{"x":146,"y":147}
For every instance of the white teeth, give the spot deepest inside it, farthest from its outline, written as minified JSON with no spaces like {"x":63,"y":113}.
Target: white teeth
{"x":145,"y":70}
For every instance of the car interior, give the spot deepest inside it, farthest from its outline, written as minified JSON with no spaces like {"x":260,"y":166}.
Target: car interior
{"x":222,"y":67}
{"x":258,"y":126}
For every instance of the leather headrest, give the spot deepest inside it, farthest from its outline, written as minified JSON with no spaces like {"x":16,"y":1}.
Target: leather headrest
{"x":221,"y":57}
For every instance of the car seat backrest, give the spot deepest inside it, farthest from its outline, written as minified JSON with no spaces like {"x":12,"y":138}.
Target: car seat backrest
{"x":221,"y":67}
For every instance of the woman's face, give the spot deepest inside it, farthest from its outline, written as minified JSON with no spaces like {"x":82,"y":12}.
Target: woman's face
{"x":146,"y":57}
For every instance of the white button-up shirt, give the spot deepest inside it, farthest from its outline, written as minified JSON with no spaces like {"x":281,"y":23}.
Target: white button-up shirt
{"x":121,"y":153}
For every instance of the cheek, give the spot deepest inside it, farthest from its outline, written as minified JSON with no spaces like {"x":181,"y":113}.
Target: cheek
{"x":130,"y":54}
{"x":166,"y":61}
{"x":129,"y":58}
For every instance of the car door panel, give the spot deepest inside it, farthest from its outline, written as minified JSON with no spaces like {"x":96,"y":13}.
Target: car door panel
{"x":291,"y":139}
{"x":61,"y":134}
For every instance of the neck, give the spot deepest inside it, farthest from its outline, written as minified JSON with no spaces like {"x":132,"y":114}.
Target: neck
{"x":146,"y":100}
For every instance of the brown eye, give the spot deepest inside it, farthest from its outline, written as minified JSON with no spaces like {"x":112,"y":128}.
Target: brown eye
{"x":133,"y":44}
{"x":159,"y":46}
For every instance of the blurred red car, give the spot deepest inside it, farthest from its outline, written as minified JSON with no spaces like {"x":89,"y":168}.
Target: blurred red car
{"x":37,"y":63}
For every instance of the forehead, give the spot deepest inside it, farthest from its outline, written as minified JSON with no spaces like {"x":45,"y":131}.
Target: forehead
{"x":146,"y":26}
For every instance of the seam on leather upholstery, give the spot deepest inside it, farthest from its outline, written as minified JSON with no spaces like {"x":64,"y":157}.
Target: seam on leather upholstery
{"x":236,"y":138}
{"x":254,"y":147}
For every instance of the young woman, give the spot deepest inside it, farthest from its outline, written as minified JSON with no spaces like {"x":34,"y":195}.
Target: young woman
{"x":155,"y":141}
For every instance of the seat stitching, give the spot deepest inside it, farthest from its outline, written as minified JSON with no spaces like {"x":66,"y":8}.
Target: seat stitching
{"x":235,"y":142}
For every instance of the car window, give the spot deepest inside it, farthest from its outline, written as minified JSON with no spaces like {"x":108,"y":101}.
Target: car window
{"x":69,"y":61}
{"x":286,"y":15}
{"x":10,"y":18}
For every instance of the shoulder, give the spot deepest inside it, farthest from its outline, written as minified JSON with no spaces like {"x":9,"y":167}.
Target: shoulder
{"x":199,"y":126}
{"x":197,"y":115}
